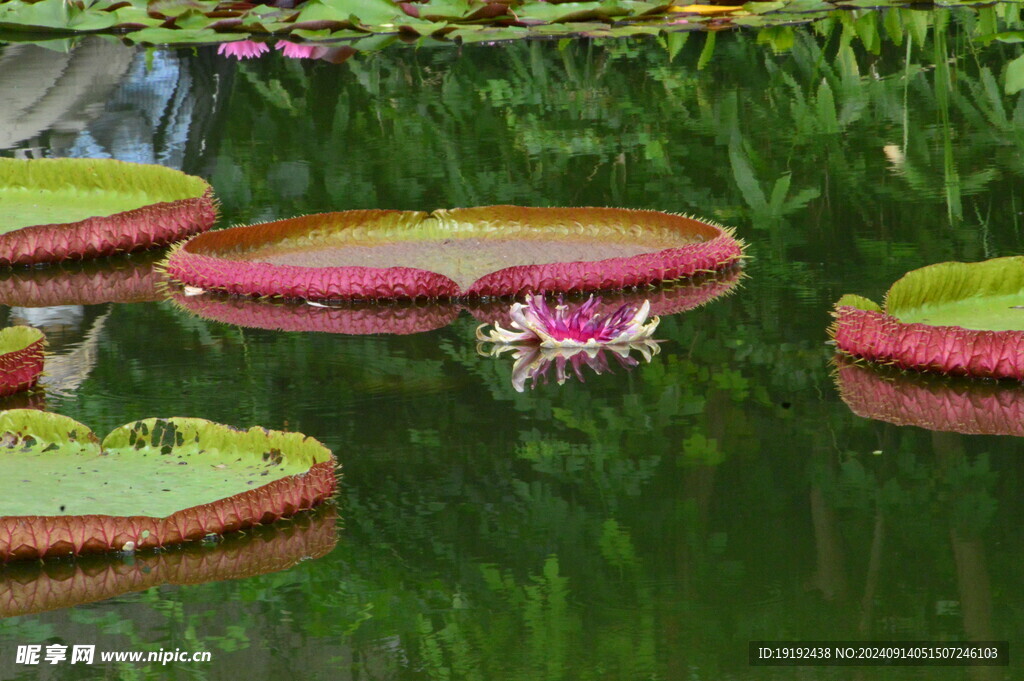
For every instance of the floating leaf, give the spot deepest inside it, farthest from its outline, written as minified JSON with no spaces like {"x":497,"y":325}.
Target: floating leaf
{"x":63,"y":209}
{"x":488,"y":251}
{"x":952,"y":318}
{"x":168,"y":36}
{"x":151,"y":483}
{"x":21,"y":358}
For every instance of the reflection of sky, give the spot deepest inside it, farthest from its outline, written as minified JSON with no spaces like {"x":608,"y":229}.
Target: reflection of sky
{"x":147,"y":117}
{"x":103,"y":100}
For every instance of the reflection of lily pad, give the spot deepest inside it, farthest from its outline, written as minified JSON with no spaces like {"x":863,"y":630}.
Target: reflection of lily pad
{"x":405,"y":317}
{"x":665,"y":299}
{"x":963,"y":319}
{"x":33,"y":586}
{"x":357,"y":319}
{"x":72,"y":209}
{"x":128,"y":279}
{"x":21,"y":358}
{"x":931,"y":402}
{"x":151,"y":483}
{"x":460,"y":253}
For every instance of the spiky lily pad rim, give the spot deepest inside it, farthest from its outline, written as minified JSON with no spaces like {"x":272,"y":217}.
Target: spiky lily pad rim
{"x":864,"y":330}
{"x":38,"y":536}
{"x":22,"y":350}
{"x":183,"y":205}
{"x":904,"y":398}
{"x":213,"y":261}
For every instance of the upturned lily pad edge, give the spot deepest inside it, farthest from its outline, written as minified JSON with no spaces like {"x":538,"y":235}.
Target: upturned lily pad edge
{"x":253,"y":279}
{"x":36,"y":537}
{"x":864,"y":330}
{"x":22,"y":358}
{"x":154,"y":225}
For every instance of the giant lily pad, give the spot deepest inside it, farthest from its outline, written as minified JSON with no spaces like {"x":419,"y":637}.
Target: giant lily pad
{"x":931,"y":402}
{"x":406,"y":317}
{"x":453,"y":254}
{"x":37,"y":586}
{"x":72,"y":209}
{"x":21,"y":358}
{"x":151,"y":483}
{"x":963,"y":319}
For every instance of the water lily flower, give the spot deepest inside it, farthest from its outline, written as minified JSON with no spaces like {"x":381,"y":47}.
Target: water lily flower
{"x":563,"y":327}
{"x":299,"y":51}
{"x":243,"y":49}
{"x":533,"y":362}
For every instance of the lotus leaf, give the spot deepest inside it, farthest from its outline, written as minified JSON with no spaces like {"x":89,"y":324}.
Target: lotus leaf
{"x":70,"y":209}
{"x":150,"y":483}
{"x":964,"y":319}
{"x":460,"y":253}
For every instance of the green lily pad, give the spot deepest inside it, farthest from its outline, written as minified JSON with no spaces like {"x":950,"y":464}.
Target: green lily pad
{"x":953,"y":317}
{"x":58,"y":209}
{"x":458,"y":253}
{"x":985,"y":296}
{"x":150,"y":483}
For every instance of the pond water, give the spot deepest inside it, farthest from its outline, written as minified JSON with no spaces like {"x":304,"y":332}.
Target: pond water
{"x":643,"y":524}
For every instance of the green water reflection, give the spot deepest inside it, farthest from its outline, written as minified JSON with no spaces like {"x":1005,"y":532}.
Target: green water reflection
{"x":644,"y":524}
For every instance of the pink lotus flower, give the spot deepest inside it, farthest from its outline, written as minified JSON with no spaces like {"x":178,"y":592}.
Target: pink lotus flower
{"x":243,"y":49}
{"x":583,"y":327}
{"x":299,"y":51}
{"x":533,"y":362}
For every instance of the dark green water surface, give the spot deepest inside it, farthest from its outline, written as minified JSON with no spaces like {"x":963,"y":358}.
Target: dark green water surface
{"x":640,"y":525}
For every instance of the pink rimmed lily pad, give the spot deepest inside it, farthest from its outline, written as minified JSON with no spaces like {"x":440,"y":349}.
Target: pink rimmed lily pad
{"x":453,"y":254}
{"x":28,"y":587}
{"x":73,"y":209}
{"x":406,"y":317}
{"x":960,"y":319}
{"x":931,"y":402}
{"x":150,"y":483}
{"x":21,"y":358}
